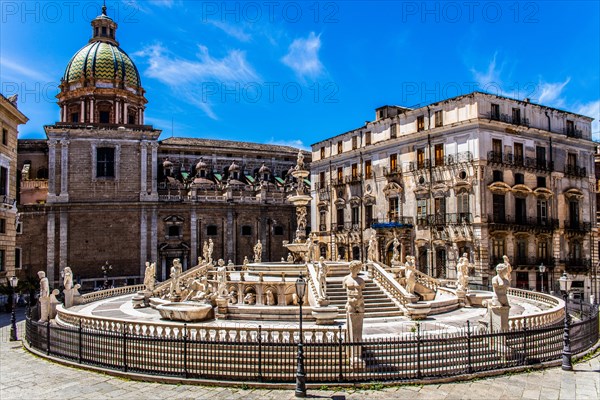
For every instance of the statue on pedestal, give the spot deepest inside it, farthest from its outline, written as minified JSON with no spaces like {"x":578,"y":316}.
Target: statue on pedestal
{"x":44,"y":297}
{"x":245,"y":265}
{"x":258,"y":252}
{"x":270,"y":298}
{"x":68,"y":284}
{"x":508,"y":268}
{"x":410,"y":274}
{"x":355,"y":306}
{"x":323,"y":270}
{"x":501,"y":284}
{"x":149,"y":276}
{"x":395,"y":252}
{"x":175,"y":289}
{"x":222,"y":279}
{"x":462,"y":273}
{"x":372,"y":249}
{"x":209,"y":255}
{"x":205,"y":250}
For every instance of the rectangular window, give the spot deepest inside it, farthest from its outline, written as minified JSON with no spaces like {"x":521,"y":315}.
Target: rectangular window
{"x":4,"y":136}
{"x":105,"y":162}
{"x":2,"y":225}
{"x":542,"y":212}
{"x":394,"y":210}
{"x":497,"y":147}
{"x":519,"y":179}
{"x":211,"y":230}
{"x":516,"y":116}
{"x":354,"y":171}
{"x":354,"y":142}
{"x":3,"y":181}
{"x":498,"y":249}
{"x":393,"y":131}
{"x":278,"y":230}
{"x":340,"y":147}
{"x":322,"y":221}
{"x":541,"y":181}
{"x":499,"y":209}
{"x":355,"y":216}
{"x":498,"y":176}
{"x":393,"y":162}
{"x":420,"y":123}
{"x":542,"y":250}
{"x":340,"y":174}
{"x":519,"y":153}
{"x":340,"y":217}
{"x":322,"y":152}
{"x":104,"y":117}
{"x":17,"y":258}
{"x":495,"y":113}
{"x":572,"y":160}
{"x":368,"y":171}
{"x":367,"y":138}
{"x":368,"y":215}
{"x":520,"y":211}
{"x":2,"y":260}
{"x":421,"y":211}
{"x":321,"y":179}
{"x":440,"y":209}
{"x":246,"y":230}
{"x":75,"y":117}
{"x":420,"y":158}
{"x":574,"y":213}
{"x":570,"y":127}
{"x":462,"y":204}
{"x":439,"y":154}
{"x":540,"y":156}
{"x":439,"y":118}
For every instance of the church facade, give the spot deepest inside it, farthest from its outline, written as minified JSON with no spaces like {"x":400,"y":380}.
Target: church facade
{"x":103,"y":188}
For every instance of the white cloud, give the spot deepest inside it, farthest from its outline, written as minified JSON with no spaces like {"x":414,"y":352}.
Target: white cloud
{"x":232,"y":30}
{"x":303,"y":56}
{"x":297,"y":143}
{"x":489,"y":80}
{"x":23,"y":71}
{"x":591,"y":109}
{"x":550,"y":93}
{"x":163,"y":3}
{"x":198,"y":80}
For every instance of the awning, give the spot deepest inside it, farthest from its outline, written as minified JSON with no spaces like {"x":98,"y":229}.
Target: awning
{"x":279,"y":180}
{"x":250,"y":179}
{"x":307,"y":182}
{"x":218,"y":177}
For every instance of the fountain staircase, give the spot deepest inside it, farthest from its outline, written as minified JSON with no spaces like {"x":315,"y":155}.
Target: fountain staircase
{"x":377,"y":302}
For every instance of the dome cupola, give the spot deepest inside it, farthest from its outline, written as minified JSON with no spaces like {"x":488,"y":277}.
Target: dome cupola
{"x":101,"y":83}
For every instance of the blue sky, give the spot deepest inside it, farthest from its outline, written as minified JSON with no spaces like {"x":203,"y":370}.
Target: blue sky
{"x":299,"y":72}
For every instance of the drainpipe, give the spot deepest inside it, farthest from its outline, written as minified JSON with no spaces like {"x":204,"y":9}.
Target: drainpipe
{"x":361,"y":216}
{"x":331,"y":194}
{"x":432,"y":204}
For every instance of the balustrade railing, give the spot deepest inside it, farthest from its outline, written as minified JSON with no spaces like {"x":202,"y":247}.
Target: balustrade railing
{"x":387,"y":282}
{"x":105,"y":294}
{"x":509,"y":159}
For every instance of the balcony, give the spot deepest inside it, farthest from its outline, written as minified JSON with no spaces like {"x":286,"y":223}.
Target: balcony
{"x":417,"y":165}
{"x":533,"y":261}
{"x":577,"y":265}
{"x":507,"y":159}
{"x":445,"y":219}
{"x":577,"y":226}
{"x":520,"y":121}
{"x":337,"y":182}
{"x":7,"y":201}
{"x":521,"y":223}
{"x":322,"y":228}
{"x":353,"y":179}
{"x":392,"y":222}
{"x":575,"y":171}
{"x":392,"y":172}
{"x":573,"y":133}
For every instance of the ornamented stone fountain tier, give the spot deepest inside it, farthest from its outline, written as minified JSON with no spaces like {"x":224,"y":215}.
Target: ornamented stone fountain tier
{"x":300,"y":248}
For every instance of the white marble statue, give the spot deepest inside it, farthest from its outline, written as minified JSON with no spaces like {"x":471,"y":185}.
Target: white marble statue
{"x":205,"y":251}
{"x":258,"y":252}
{"x":211,"y":247}
{"x":199,"y":290}
{"x":246,"y":262}
{"x":395,"y":252}
{"x":290,"y":258}
{"x":508,"y":268}
{"x":323,"y":270}
{"x":233,"y":297}
{"x":301,"y":218}
{"x":310,"y":248}
{"x":270,"y":298}
{"x":355,"y":306}
{"x":501,"y":284}
{"x":462,"y":273}
{"x":176,"y":270}
{"x":300,"y":161}
{"x":372,"y":249}
{"x":250,"y":299}
{"x":68,"y":278}
{"x":222,"y":279}
{"x":410,"y":274}
{"x":149,"y":276}
{"x":44,"y":297}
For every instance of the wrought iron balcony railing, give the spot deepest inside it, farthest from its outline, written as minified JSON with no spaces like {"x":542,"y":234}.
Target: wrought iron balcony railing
{"x":509,"y":119}
{"x":509,"y":159}
{"x":445,"y":219}
{"x":521,"y":223}
{"x":576,"y":171}
{"x":576,"y":225}
{"x":573,"y":133}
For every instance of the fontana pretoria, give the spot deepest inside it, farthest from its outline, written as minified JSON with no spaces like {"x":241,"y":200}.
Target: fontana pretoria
{"x":211,"y":273}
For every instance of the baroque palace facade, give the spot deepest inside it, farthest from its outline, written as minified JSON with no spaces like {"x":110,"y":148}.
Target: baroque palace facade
{"x":479,"y":174}
{"x":103,"y":188}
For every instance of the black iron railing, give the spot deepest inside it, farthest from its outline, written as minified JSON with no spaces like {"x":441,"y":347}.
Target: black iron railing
{"x":447,"y":160}
{"x":573,"y":133}
{"x":521,"y":223}
{"x":445,"y":219}
{"x":575,"y":171}
{"x":533,"y":261}
{"x":508,"y":159}
{"x":509,"y":119}
{"x":576,"y":225}
{"x":406,"y":357}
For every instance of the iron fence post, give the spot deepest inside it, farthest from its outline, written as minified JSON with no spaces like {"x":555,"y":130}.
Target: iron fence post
{"x":470,"y":368}
{"x":524,"y":341}
{"x":185,"y":351}
{"x":124,"y":349}
{"x":80,"y":344}
{"x":340,"y":351}
{"x":259,"y":353}
{"x":418,"y":351}
{"x":48,"y":338}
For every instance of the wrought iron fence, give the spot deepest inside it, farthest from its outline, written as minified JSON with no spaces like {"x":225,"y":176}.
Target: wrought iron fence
{"x":411,"y":356}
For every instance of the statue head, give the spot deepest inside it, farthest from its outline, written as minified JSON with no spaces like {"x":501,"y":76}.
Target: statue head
{"x":501,"y":269}
{"x":505,"y":258}
{"x":355,"y":267}
{"x":41,"y":274}
{"x":466,"y":256}
{"x":321,"y":259}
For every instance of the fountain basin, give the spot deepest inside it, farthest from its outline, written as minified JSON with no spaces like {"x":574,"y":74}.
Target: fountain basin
{"x":475,"y":298}
{"x":190,"y":312}
{"x":299,"y":200}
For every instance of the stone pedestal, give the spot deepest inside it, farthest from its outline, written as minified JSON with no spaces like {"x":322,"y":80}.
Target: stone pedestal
{"x":53,"y":303}
{"x":418,"y":311}
{"x":222,"y":304}
{"x":68,"y":297}
{"x":77,"y":299}
{"x":44,"y":307}
{"x":141,"y":299}
{"x":496,"y":318}
{"x":462,"y":297}
{"x":325,"y":315}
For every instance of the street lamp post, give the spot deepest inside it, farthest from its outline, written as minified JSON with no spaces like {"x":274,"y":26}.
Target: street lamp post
{"x":542,"y":270}
{"x":300,"y":375}
{"x":13,"y":318}
{"x":565,"y":286}
{"x":105,"y":268}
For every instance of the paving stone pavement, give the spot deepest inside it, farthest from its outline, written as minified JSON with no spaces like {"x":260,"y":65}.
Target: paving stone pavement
{"x":25,"y":376}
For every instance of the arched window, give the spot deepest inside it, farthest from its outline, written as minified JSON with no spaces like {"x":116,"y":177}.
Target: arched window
{"x":211,"y":230}
{"x":246,"y":230}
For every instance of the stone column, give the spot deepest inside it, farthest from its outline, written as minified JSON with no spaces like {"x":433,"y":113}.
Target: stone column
{"x":142,"y":116}
{"x":124,"y":117}
{"x":50,"y":243}
{"x":117,"y":107}
{"x":64,"y":170}
{"x":82,"y":113}
{"x":92,"y":110}
{"x":143,"y":169}
{"x":154,"y":236}
{"x":143,"y":241}
{"x":154,"y":170}
{"x":229,"y":233}
{"x":52,"y":168}
{"x":63,"y":113}
{"x":64,"y":235}
{"x":194,"y":236}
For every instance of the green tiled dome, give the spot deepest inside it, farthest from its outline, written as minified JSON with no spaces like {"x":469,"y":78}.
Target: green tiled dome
{"x":102,"y":60}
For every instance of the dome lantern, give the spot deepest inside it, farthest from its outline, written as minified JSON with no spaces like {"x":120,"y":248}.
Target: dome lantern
{"x":104,"y":29}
